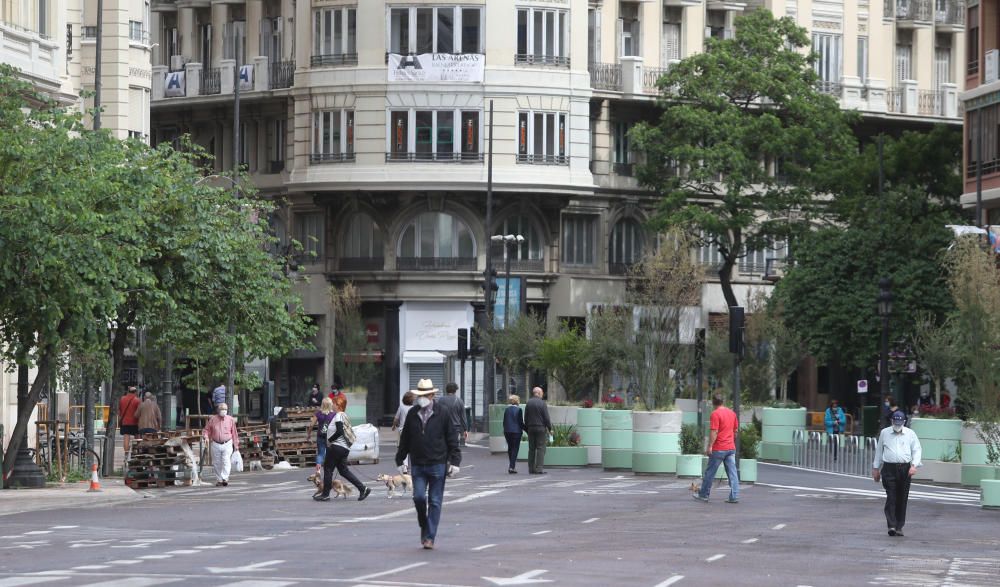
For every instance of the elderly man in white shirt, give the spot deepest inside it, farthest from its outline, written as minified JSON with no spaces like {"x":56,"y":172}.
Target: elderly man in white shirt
{"x":897,"y":456}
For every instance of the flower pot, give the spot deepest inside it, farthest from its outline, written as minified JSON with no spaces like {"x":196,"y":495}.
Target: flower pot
{"x":689,"y":466}
{"x":990,"y":496}
{"x":656,"y":441}
{"x":588,"y":426}
{"x":779,"y":426}
{"x":566,"y":456}
{"x":616,"y":439}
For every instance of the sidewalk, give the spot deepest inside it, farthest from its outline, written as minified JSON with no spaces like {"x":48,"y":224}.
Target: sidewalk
{"x":55,"y":496}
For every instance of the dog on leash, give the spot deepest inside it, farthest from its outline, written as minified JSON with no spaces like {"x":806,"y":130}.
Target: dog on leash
{"x":404,"y":482}
{"x":256,"y":465}
{"x":338,"y":488}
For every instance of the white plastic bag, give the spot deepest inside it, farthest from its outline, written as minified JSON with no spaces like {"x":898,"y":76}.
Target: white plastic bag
{"x":365,"y":447}
{"x":237,"y":461}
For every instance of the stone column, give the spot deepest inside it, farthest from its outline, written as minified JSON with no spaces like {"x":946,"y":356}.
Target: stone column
{"x":156,"y":36}
{"x":193,"y":75}
{"x":909,"y":89}
{"x":159,"y":71}
{"x":950,"y":105}
{"x":632,"y":76}
{"x":288,"y":21}
{"x":602,"y":140}
{"x":255,"y":10}
{"x":227,"y":75}
{"x":923,"y":57}
{"x":187,"y":32}
{"x":220,"y":16}
{"x":261,"y":73}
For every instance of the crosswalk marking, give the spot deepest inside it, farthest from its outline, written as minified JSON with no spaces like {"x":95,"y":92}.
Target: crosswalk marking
{"x":19,"y":581}
{"x":952,"y":497}
{"x":258,"y":583}
{"x":134,"y":582}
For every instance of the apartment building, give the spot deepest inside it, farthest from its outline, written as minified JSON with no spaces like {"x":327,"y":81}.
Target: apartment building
{"x":981,"y":99}
{"x":53,"y":43}
{"x":370,"y":121}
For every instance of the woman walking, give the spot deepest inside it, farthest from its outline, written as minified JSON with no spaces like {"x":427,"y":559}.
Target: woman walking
{"x":337,"y":450}
{"x":400,"y":418}
{"x":321,"y":420}
{"x":513,"y":428}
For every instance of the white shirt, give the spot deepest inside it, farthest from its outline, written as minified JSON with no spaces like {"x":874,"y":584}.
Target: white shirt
{"x":332,"y":429}
{"x":901,"y":447}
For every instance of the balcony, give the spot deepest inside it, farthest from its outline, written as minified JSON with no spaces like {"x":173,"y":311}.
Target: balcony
{"x":532,"y":159}
{"x":436,"y":157}
{"x":436,"y":263}
{"x":830,"y":88}
{"x":362,"y":263}
{"x":550,"y":60}
{"x":930,"y":102}
{"x":908,"y":11}
{"x":894,"y":100}
{"x":32,"y":52}
{"x":211,"y":81}
{"x":281,"y":74}
{"x":339,"y":59}
{"x":949,"y":15}
{"x":315,"y":158}
{"x":651,"y":75}
{"x":606,"y":76}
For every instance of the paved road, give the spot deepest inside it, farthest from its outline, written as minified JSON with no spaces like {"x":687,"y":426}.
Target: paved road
{"x":569,"y":527}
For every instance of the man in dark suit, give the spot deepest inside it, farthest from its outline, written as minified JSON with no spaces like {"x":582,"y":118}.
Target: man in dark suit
{"x":536,"y":421}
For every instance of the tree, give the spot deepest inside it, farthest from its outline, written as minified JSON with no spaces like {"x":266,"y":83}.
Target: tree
{"x":744,"y":141}
{"x":565,"y":355}
{"x":936,"y":345}
{"x":787,"y":348}
{"x":514,"y":347}
{"x":756,"y":374}
{"x":352,"y":351}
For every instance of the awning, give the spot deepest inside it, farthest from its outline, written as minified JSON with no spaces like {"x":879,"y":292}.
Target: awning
{"x":423,"y":357}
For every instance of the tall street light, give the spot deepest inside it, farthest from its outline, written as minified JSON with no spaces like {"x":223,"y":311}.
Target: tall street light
{"x":884,"y":310}
{"x":509,"y":241}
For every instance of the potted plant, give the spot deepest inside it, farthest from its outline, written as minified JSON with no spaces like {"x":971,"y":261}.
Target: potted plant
{"x":565,"y":449}
{"x":749,"y":444}
{"x":689,"y":462}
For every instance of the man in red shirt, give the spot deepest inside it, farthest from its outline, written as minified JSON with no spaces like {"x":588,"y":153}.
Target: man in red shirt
{"x":722,"y":449}
{"x":128,"y":417}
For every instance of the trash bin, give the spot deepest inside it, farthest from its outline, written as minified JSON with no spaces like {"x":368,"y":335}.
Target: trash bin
{"x":870,"y":421}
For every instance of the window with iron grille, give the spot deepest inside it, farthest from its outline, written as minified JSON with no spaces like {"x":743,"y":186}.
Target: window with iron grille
{"x":542,"y":138}
{"x":309,"y":230}
{"x":829,"y":50}
{"x":579,"y":237}
{"x":335,"y":36}
{"x":437,"y":235}
{"x":333,"y":136}
{"x":363,"y":239}
{"x":442,"y":29}
{"x":434,"y":135}
{"x":542,"y":36}
{"x":625,"y":246}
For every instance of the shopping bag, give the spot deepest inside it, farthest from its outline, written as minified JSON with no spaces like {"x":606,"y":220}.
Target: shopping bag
{"x":237,"y":462}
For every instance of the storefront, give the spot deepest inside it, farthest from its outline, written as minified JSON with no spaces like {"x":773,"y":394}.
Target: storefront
{"x":428,"y":333}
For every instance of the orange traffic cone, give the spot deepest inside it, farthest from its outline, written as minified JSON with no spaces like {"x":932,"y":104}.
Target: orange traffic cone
{"x":95,"y":483}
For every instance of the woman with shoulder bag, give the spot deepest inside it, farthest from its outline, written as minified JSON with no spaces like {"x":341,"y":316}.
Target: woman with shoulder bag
{"x":321,"y":420}
{"x":337,"y":450}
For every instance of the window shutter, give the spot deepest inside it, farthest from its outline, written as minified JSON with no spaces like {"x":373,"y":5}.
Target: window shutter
{"x":671,"y":43}
{"x":903,"y":63}
{"x":620,"y":37}
{"x":942,"y":66}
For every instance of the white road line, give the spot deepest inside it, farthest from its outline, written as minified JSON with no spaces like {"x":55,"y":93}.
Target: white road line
{"x":210,"y":546}
{"x":591,"y":520}
{"x":714,"y":558}
{"x":240,"y":541}
{"x":540,"y":532}
{"x":778,"y":527}
{"x":155,"y":556}
{"x":258,"y":583}
{"x":134,"y":582}
{"x":389,"y":572}
{"x":126,"y":561}
{"x":670,"y":581}
{"x":18,"y":581}
{"x":185,"y":551}
{"x":483,"y":547}
{"x":62,"y":527}
{"x":260,"y":538}
{"x":750,"y":540}
{"x":91,"y":568}
{"x":34,"y":532}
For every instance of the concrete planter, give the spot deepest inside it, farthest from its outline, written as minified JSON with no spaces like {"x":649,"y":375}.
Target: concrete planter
{"x":588,"y":426}
{"x":522,"y":452}
{"x":656,"y":441}
{"x":498,"y":444}
{"x":975,"y":467}
{"x":566,"y":456}
{"x":689,"y":466}
{"x":779,"y":426}
{"x":748,"y":470}
{"x":357,"y":407}
{"x":564,"y":415}
{"x":990,"y":497}
{"x":616,"y":439}
{"x":939,"y":438}
{"x":940,"y":472}
{"x":689,"y":407}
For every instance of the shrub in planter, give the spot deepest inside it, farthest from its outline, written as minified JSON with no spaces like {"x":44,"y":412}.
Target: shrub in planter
{"x":692,"y":442}
{"x":564,"y":435}
{"x":749,"y":442}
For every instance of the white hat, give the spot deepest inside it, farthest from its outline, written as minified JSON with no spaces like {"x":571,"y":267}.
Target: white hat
{"x":424,"y":387}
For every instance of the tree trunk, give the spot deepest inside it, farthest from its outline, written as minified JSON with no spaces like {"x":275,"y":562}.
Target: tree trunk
{"x":24,"y":414}
{"x":937,"y":391}
{"x":726,"y":281}
{"x":117,"y":368}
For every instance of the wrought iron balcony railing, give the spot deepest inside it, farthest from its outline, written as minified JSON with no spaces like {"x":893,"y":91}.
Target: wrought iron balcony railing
{"x":436,"y":263}
{"x":552,"y":60}
{"x":211,"y":81}
{"x":436,"y":157}
{"x":281,"y":74}
{"x":334,"y":60}
{"x":605,"y":76}
{"x":330,"y":157}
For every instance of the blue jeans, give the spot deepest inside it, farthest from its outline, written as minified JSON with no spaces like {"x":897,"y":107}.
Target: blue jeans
{"x":714,"y":460}
{"x":320,"y":451}
{"x":428,"y":494}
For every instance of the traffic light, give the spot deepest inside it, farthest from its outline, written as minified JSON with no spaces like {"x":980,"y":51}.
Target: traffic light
{"x":491,"y":285}
{"x":463,"y":343}
{"x":736,"y":323}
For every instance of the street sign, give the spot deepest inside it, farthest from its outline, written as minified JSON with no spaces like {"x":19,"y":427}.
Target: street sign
{"x":517,"y":295}
{"x":862,"y":386}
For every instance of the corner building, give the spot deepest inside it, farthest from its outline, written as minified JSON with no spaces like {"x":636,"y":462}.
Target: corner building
{"x":370,"y":120}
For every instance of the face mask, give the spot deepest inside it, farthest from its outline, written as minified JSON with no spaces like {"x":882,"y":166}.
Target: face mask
{"x":423,"y":402}
{"x":897,"y":427}
{"x":223,"y":412}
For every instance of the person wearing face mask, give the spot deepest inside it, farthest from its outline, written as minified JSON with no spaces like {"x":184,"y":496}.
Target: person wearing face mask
{"x":220,"y":432}
{"x":897,"y":457}
{"x":430,"y":439}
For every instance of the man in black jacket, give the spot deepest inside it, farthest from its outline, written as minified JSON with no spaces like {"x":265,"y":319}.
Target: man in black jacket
{"x":431,"y":441}
{"x":536,"y":421}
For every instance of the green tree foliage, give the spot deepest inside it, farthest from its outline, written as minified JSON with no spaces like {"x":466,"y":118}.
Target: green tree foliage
{"x":566,"y":356}
{"x":352,"y":351}
{"x":94,"y":231}
{"x":937,"y":348}
{"x":744,"y":141}
{"x":516,"y":346}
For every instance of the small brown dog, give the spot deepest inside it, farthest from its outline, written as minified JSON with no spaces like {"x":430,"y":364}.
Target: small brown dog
{"x":405,"y":482}
{"x":338,"y":488}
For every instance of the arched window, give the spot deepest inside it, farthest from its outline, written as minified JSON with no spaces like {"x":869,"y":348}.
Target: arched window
{"x":437,"y":240}
{"x":362,"y":244}
{"x":526,"y":256}
{"x":625,"y":247}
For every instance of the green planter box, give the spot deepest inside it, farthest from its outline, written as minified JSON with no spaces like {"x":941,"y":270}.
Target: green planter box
{"x":616,"y":439}
{"x":939,"y":438}
{"x":748,"y":470}
{"x":588,"y":426}
{"x":689,"y":466}
{"x":566,"y":456}
{"x":522,"y":452}
{"x":990,"y":497}
{"x":779,"y":426}
{"x":656,"y":441}
{"x":974,"y":475}
{"x":498,"y":444}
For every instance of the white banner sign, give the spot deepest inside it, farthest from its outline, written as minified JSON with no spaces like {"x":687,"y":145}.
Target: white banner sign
{"x":437,"y":67}
{"x":173,"y":84}
{"x":246,"y":77}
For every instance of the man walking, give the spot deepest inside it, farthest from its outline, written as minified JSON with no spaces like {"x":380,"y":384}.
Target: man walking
{"x":536,"y":421}
{"x":454,"y":403}
{"x":897,"y":457}
{"x":150,"y":420}
{"x":724,"y":426}
{"x":430,"y":440}
{"x":128,"y":421}
{"x":218,"y":396}
{"x":220,"y":433}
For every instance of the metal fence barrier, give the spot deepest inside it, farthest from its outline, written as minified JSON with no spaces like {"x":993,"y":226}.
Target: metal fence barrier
{"x":836,"y":453}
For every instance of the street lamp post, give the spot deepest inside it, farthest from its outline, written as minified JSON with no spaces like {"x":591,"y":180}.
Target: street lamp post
{"x":884,"y":310}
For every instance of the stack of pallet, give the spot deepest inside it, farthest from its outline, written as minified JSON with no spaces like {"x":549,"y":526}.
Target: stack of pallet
{"x":160,"y":461}
{"x":291,"y":441}
{"x":256,"y":445}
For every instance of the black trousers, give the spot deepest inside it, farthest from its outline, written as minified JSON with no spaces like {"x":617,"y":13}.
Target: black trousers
{"x":896,"y":481}
{"x":513,"y":447}
{"x":336,"y":458}
{"x":538,"y":437}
